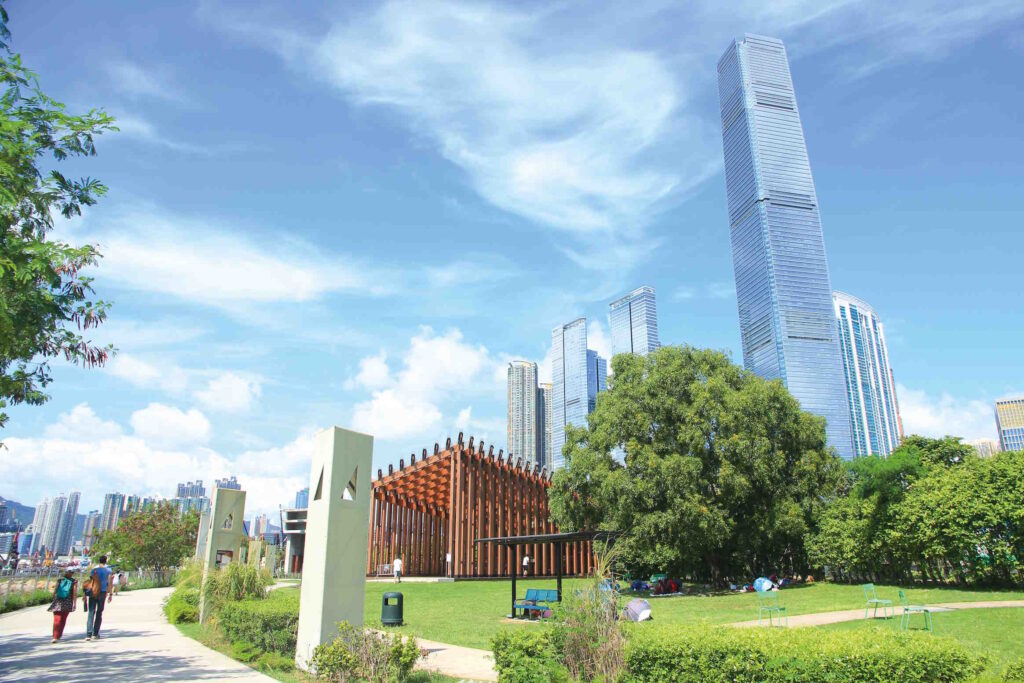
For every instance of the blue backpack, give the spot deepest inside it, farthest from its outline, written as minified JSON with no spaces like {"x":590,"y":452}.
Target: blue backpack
{"x":64,"y":588}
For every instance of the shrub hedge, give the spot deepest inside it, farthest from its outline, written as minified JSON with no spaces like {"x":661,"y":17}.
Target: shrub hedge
{"x":1015,"y":671}
{"x":527,"y":656}
{"x":699,"y":655}
{"x":183,"y":606}
{"x":270,"y":625}
{"x":17,"y":601}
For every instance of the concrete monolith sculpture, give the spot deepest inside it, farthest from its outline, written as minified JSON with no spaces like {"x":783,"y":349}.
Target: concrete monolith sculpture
{"x":225,"y":535}
{"x":338,"y":521}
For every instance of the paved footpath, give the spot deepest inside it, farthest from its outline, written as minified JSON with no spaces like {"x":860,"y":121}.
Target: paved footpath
{"x":137,"y":645}
{"x":822,"y":618}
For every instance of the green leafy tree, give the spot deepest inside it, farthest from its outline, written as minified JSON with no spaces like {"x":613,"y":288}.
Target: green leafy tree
{"x":45,"y":299}
{"x":155,"y":538}
{"x":724,"y":474}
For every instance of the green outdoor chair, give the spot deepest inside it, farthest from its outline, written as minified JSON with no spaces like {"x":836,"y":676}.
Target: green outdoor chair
{"x":872,"y":600}
{"x":768,"y":602}
{"x":909,"y":609}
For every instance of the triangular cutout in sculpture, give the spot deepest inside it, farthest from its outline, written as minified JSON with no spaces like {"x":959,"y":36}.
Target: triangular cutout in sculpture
{"x":319,"y":486}
{"x":350,"y":489}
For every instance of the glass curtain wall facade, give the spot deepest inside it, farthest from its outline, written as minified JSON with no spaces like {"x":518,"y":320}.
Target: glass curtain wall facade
{"x":569,"y":400}
{"x":633,"y":320}
{"x":870,"y":389}
{"x":544,"y":409}
{"x":783,"y":291}
{"x":1010,"y":423}
{"x":522,"y":410}
{"x":597,"y":377}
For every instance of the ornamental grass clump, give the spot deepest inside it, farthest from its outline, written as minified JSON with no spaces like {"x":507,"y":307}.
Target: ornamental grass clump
{"x":358,"y":654}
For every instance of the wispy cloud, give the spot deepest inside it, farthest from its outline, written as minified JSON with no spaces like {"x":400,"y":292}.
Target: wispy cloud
{"x":137,"y":128}
{"x":942,"y":415}
{"x":135,"y":81}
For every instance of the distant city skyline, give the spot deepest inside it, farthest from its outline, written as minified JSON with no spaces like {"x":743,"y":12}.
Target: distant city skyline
{"x":783,"y":289}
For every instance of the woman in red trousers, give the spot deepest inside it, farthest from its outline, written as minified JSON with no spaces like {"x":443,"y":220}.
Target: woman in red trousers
{"x":63,"y":603}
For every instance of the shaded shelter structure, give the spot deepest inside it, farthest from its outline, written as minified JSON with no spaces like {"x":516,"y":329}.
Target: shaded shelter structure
{"x":559,"y":541}
{"x":432,"y":512}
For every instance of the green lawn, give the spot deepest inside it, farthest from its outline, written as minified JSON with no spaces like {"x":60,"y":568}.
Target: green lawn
{"x":470,"y":612}
{"x":994,"y":632}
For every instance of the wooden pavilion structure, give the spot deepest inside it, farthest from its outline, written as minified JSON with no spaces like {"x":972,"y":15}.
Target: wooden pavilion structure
{"x":435,"y":509}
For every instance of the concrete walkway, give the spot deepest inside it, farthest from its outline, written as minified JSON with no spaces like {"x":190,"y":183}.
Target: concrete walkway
{"x":456,"y":661}
{"x":137,"y":645}
{"x":822,"y":618}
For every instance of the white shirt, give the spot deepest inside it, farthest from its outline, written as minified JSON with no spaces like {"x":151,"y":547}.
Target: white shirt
{"x":398,"y":565}
{"x":526,"y":561}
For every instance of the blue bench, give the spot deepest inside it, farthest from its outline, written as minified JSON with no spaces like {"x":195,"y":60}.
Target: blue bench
{"x":536,"y":602}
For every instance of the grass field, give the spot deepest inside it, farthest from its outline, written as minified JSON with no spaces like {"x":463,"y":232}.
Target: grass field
{"x":470,"y":612}
{"x":998,"y":633}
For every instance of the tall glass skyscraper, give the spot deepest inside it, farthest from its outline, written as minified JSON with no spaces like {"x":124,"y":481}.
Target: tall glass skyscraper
{"x":1010,"y":423}
{"x":634,"y":323}
{"x":545,"y":411}
{"x":787,"y":324}
{"x":577,"y":375}
{"x":870,"y":389}
{"x":523,"y":413}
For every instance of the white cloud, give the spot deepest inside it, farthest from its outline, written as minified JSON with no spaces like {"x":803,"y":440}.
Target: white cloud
{"x":77,"y":455}
{"x":230,"y":392}
{"x":374,"y":373}
{"x":598,"y":340}
{"x":435,"y":367}
{"x":684,"y":293}
{"x":82,"y":424}
{"x":721,"y":290}
{"x":945,"y":414}
{"x":137,"y":128}
{"x":146,"y":374}
{"x":135,"y":81}
{"x":165,"y":425}
{"x":201,"y":261}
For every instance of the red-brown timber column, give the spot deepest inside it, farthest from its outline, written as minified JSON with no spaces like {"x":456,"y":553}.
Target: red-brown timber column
{"x":502,"y":519}
{"x":449,"y":530}
{"x":492,"y":511}
{"x":535,"y":520}
{"x":481,"y":509}
{"x":457,"y":514}
{"x":474,"y":492}
{"x":418,"y":543}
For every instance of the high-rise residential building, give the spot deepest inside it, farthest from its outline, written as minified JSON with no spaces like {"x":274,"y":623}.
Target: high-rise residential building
{"x":227,"y":483}
{"x":62,"y":545}
{"x":783,"y":290}
{"x":92,"y":527}
{"x":870,"y":390}
{"x":986,"y":447}
{"x":192,"y":496}
{"x":51,"y":530}
{"x":39,"y":523}
{"x":544,"y":424}
{"x":191,"y":489}
{"x":1010,"y":423}
{"x":302,"y":499}
{"x":633,"y":320}
{"x":577,"y":375}
{"x":113,"y":504}
{"x":523,"y":435}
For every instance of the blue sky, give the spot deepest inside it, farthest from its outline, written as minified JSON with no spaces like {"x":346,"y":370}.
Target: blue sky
{"x":352,"y":214}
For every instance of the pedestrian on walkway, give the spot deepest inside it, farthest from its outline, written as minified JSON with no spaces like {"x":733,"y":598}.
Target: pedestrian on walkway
{"x":526,"y":565}
{"x":397,"y":567}
{"x":63,"y":604}
{"x":100,"y":585}
{"x":116,"y":584}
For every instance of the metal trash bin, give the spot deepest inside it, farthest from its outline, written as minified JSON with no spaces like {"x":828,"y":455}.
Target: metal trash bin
{"x":391,"y":609}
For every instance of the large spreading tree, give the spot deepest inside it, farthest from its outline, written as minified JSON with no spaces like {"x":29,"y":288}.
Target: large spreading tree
{"x":46,"y":301}
{"x":724,"y":474}
{"x":156,"y":538}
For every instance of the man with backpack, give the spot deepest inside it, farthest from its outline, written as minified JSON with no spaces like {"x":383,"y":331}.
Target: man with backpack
{"x":96,"y":595}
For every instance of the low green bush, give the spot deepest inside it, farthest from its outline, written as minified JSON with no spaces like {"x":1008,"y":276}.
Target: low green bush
{"x":27,"y":599}
{"x":358,"y":654}
{"x":699,"y":655}
{"x":275,"y":661}
{"x":527,"y":656}
{"x":182,"y":607}
{"x":1015,"y":671}
{"x":235,"y":582}
{"x":270,"y":624}
{"x":244,"y":651}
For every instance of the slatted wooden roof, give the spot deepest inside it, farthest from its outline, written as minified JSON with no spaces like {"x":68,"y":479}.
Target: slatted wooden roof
{"x":427,"y":480}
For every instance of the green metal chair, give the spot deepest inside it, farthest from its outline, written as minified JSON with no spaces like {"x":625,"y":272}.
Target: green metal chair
{"x":909,"y":609}
{"x":768,"y":602}
{"x":872,"y":600}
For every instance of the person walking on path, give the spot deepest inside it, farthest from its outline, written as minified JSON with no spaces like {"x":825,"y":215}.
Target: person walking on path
{"x":100,"y":584}
{"x":526,"y":565}
{"x":63,"y":604}
{"x":397,"y":568}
